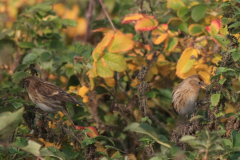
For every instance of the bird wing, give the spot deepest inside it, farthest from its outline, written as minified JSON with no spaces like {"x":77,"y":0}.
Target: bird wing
{"x":51,"y":91}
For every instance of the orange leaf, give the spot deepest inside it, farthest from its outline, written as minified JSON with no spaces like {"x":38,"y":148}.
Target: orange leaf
{"x":110,"y":82}
{"x":92,"y":131}
{"x":120,"y":43}
{"x":160,"y":34}
{"x":146,"y":24}
{"x":214,"y":28}
{"x":132,"y":17}
{"x":186,"y":60}
{"x":98,"y":51}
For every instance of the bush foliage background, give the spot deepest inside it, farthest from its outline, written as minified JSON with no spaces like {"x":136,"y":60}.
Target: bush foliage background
{"x":122,"y":59}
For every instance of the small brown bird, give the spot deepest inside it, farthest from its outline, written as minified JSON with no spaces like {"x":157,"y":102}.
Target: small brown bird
{"x":48,"y":97}
{"x":185,"y":95}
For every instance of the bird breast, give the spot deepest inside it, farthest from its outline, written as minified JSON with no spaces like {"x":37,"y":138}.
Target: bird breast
{"x":190,"y":105}
{"x":45,"y":107}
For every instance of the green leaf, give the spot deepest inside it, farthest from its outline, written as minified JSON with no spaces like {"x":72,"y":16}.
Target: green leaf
{"x":99,"y":137}
{"x":21,"y":142}
{"x":146,"y":119}
{"x":70,"y":72}
{"x":183,"y":27}
{"x":221,"y":40}
{"x":145,"y":129}
{"x":182,"y":11}
{"x":236,"y":24}
{"x":215,"y":99}
{"x":225,"y":21}
{"x":222,"y":81}
{"x":52,"y":152}
{"x":113,"y":148}
{"x":69,"y":22}
{"x":171,"y":43}
{"x":45,"y":56}
{"x":236,"y":56}
{"x":32,"y":147}
{"x":87,"y":141}
{"x":114,"y":62}
{"x":17,"y":105}
{"x":187,"y":138}
{"x":236,"y":139}
{"x":9,"y":121}
{"x":116,"y":155}
{"x":198,"y":12}
{"x":103,"y":71}
{"x":18,"y":76}
{"x":31,"y":58}
{"x":227,"y":142}
{"x":21,"y":67}
{"x":195,"y":29}
{"x":26,"y":45}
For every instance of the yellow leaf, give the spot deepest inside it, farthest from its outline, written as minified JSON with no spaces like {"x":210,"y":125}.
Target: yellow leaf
{"x":82,"y":91}
{"x":59,"y":9}
{"x":92,"y":83}
{"x":132,"y":17}
{"x":85,"y":99}
{"x":199,"y":67}
{"x":146,"y":24}
{"x":175,"y":4}
{"x":98,"y":51}
{"x":48,"y":144}
{"x":192,"y":71}
{"x":120,"y":43}
{"x":205,"y":76}
{"x":186,"y":60}
{"x":217,"y":58}
{"x":138,"y":115}
{"x":160,"y":34}
{"x":131,"y":156}
{"x":110,"y":82}
{"x":72,"y":88}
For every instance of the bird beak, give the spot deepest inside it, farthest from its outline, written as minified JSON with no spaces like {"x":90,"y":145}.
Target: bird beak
{"x":204,"y":85}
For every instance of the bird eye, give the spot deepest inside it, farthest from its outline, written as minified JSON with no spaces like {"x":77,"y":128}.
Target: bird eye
{"x":199,"y":82}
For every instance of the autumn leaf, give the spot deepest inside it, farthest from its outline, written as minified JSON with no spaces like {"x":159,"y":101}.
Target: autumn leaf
{"x":186,"y":60}
{"x":120,"y":43}
{"x":98,"y":51}
{"x":146,"y":24}
{"x":214,"y":28}
{"x":132,"y":17}
{"x":160,"y":34}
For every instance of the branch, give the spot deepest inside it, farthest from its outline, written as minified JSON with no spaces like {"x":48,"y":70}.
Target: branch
{"x":88,"y":16}
{"x":105,"y":11}
{"x":165,"y":13}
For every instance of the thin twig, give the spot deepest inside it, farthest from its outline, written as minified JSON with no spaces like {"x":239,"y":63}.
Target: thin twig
{"x":150,"y":6}
{"x":106,"y":13}
{"x":88,"y":16}
{"x":121,"y":141}
{"x":165,"y":13}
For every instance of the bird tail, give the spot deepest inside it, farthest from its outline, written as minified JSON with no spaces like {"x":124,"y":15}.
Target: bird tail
{"x":69,"y":118}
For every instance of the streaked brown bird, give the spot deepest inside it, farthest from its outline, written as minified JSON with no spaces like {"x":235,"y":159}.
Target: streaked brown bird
{"x":186,"y":94}
{"x":48,"y":97}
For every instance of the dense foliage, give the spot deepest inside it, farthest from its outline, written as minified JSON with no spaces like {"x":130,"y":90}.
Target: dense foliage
{"x":122,"y":59}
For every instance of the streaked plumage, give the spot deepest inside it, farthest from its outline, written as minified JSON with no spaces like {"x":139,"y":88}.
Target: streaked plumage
{"x":48,"y":97}
{"x":185,"y":95}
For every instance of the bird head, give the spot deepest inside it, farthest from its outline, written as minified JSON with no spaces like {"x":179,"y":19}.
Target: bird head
{"x":197,"y":81}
